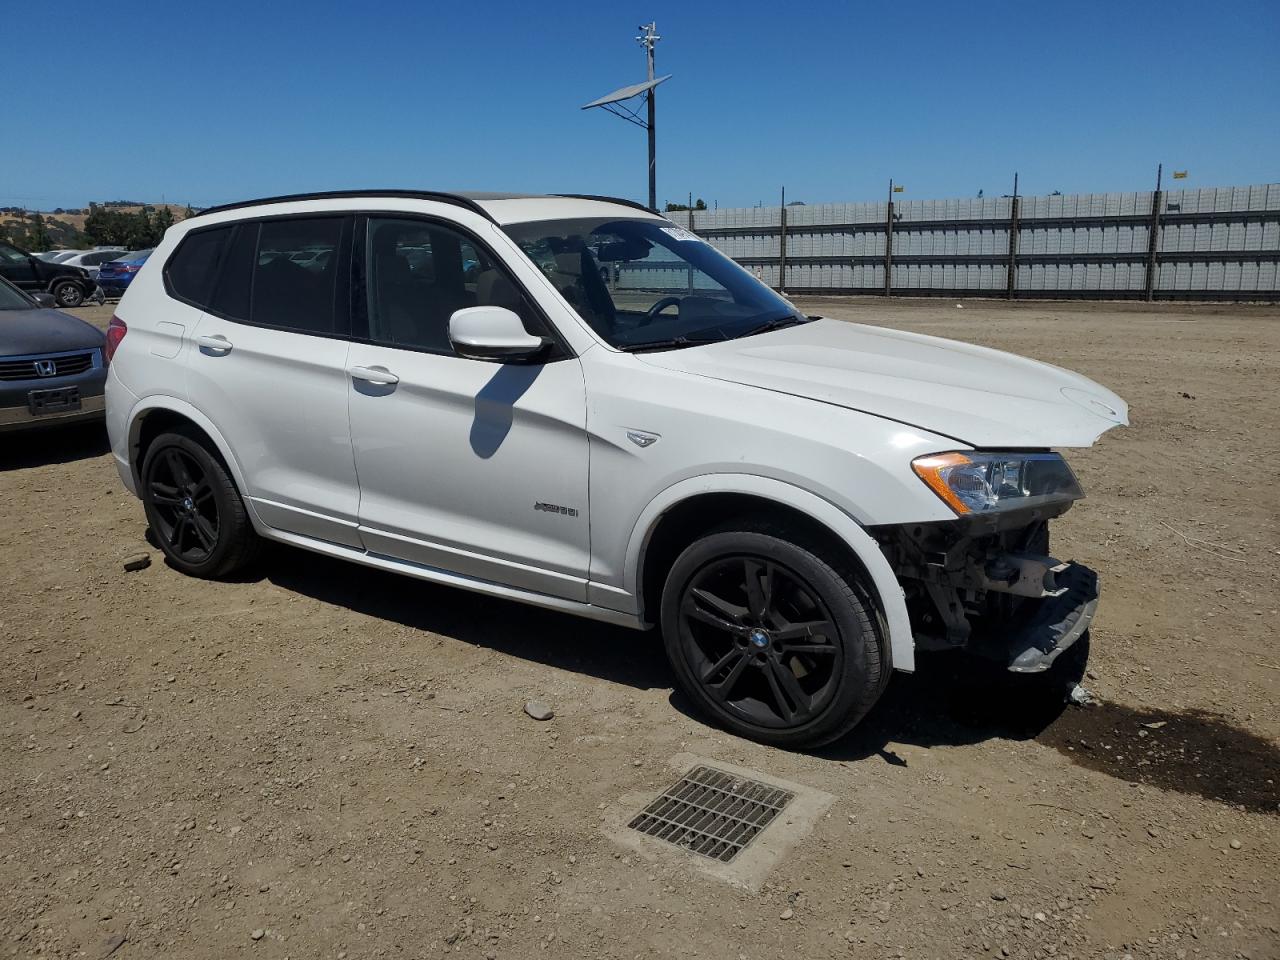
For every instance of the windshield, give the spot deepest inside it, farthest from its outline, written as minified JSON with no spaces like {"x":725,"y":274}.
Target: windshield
{"x":11,"y":299}
{"x":649,"y":284}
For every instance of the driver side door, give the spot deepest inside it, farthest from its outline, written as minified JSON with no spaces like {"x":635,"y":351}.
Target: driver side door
{"x":474,"y":467}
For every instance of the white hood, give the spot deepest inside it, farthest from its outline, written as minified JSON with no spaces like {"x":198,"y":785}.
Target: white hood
{"x":981,"y":397}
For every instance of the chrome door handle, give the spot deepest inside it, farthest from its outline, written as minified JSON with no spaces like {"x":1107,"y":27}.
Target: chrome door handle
{"x":215,"y":342}
{"x":377,"y":375}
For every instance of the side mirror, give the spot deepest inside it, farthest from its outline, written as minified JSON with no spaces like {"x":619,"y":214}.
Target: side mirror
{"x":493,"y":333}
{"x":44,"y":299}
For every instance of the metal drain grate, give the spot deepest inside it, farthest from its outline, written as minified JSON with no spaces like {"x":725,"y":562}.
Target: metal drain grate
{"x":712,"y":813}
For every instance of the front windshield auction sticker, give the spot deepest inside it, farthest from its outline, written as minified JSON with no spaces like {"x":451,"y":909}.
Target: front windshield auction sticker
{"x":679,"y":233}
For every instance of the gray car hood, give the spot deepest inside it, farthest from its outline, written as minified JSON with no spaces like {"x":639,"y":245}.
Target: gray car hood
{"x":24,"y":332}
{"x":981,"y":397}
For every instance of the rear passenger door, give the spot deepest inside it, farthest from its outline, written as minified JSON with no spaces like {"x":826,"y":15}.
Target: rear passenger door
{"x":268,"y":367}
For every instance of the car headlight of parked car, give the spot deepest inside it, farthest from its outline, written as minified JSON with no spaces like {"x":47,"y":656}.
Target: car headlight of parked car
{"x":975,"y":482}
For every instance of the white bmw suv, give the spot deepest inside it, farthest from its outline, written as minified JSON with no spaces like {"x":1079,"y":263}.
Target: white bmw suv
{"x":573,"y":402}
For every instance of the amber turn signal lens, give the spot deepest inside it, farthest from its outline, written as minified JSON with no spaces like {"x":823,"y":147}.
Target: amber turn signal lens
{"x":931,"y":470}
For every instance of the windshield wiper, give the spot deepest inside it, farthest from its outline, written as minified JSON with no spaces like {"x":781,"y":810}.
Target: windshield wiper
{"x":676,"y":343}
{"x":671,"y":343}
{"x":778,"y":323}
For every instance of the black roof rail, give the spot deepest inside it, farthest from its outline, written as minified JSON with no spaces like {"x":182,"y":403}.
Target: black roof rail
{"x":453,"y":198}
{"x":591,"y":196}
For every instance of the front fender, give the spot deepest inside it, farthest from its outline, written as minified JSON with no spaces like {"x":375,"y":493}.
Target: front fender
{"x":889,"y":592}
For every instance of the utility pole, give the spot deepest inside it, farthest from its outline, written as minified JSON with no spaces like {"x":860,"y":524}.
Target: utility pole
{"x":649,"y":39}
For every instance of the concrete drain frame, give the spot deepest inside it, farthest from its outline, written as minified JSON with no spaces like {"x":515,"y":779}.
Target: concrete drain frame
{"x":712,"y":812}
{"x":735,"y":834}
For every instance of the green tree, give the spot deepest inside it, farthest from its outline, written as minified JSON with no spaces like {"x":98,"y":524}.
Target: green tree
{"x":699,"y":204}
{"x":40,"y":239}
{"x":110,"y":226}
{"x":164,"y":220}
{"x":142,"y":229}
{"x":100,"y":228}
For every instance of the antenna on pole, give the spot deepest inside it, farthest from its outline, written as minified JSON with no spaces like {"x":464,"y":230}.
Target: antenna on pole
{"x":615,"y":103}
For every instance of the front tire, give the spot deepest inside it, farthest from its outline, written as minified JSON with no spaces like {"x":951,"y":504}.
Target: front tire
{"x":195,"y":511}
{"x":773,"y":638}
{"x":67,"y":293}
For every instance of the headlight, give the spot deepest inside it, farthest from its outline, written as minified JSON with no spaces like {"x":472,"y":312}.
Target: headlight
{"x":985,"y":482}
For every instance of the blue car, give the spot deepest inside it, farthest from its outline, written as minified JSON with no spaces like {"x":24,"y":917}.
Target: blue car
{"x":115,"y":275}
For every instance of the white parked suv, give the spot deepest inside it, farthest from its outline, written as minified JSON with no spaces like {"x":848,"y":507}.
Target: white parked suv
{"x":575,"y":403}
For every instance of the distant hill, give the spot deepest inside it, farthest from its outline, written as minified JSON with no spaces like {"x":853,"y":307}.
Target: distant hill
{"x":65,"y":228}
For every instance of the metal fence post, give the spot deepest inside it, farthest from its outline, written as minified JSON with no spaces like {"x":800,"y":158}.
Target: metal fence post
{"x":1013,"y":242}
{"x":888,"y":244}
{"x":1153,"y":241}
{"x":782,"y":247}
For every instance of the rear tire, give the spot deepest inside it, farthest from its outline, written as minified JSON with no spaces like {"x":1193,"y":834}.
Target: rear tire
{"x":773,"y":638}
{"x":195,"y":511}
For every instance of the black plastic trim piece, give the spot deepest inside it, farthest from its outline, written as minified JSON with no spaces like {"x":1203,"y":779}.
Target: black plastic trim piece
{"x":456,"y":199}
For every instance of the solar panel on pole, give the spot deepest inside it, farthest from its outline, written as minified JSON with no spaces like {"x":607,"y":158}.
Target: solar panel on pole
{"x":613,"y":103}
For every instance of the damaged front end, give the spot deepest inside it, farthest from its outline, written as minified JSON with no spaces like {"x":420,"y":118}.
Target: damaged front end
{"x":985,"y":582}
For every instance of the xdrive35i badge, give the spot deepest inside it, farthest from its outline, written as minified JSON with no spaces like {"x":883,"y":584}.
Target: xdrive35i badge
{"x":556,"y":508}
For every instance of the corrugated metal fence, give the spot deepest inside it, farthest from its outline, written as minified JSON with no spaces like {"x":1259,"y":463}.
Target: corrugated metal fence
{"x":1215,"y":243}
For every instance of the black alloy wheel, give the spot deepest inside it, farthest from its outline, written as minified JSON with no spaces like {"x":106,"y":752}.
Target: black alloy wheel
{"x":774,"y":635}
{"x":760,"y":640}
{"x":186,"y":511}
{"x":197,"y":515}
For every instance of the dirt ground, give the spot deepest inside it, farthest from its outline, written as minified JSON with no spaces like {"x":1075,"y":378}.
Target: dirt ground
{"x":326,"y":761}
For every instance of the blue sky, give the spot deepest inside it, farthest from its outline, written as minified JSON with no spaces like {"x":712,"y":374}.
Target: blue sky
{"x":211,"y":102}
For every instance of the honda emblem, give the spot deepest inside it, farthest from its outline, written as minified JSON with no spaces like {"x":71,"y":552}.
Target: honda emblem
{"x":46,"y":368}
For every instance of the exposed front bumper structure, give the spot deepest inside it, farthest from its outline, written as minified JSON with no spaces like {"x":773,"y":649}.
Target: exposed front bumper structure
{"x":987,"y":585}
{"x":1054,"y":624}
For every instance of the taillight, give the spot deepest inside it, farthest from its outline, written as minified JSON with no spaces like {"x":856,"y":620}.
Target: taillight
{"x":132,"y":267}
{"x":116,"y":330}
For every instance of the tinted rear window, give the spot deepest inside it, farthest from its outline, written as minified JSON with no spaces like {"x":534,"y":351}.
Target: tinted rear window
{"x":231,"y":299}
{"x":283,"y":273}
{"x":193,"y":268}
{"x":297,"y":294}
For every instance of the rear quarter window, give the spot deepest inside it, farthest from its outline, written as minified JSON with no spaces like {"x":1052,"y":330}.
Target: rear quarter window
{"x":193,"y":268}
